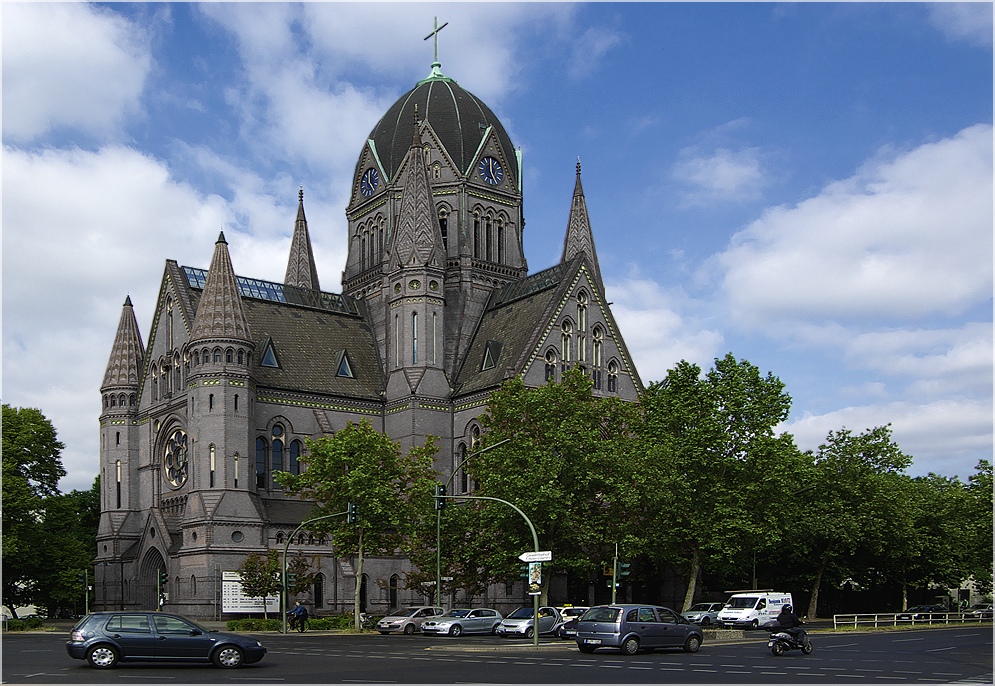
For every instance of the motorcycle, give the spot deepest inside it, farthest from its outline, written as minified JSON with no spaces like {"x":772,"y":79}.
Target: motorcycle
{"x":781,"y":641}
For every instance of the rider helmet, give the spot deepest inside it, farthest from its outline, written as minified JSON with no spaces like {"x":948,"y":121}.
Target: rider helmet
{"x":786,"y":608}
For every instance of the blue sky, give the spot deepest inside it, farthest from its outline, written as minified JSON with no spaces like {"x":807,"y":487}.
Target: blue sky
{"x":807,"y":186}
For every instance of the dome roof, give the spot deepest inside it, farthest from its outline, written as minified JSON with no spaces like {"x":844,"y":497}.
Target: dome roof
{"x":457,"y":116}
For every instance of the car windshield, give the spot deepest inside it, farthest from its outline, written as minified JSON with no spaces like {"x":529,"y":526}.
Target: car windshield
{"x":572,"y":611}
{"x":701,"y":607}
{"x":457,"y":613}
{"x":740,"y":603}
{"x":521,"y":613}
{"x":410,"y":612}
{"x":601,"y":614}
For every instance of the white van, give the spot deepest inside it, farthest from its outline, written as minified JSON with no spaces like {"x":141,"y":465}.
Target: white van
{"x":753,"y":608}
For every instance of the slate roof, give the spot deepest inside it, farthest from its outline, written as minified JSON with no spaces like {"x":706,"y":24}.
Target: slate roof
{"x":457,"y":116}
{"x":307,"y":334}
{"x":128,"y":352}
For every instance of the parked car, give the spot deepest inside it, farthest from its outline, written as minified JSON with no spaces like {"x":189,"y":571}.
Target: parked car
{"x":409,"y":620}
{"x":703,"y":613}
{"x":570,"y":615}
{"x":980,"y":610}
{"x":631,"y":628}
{"x":917,"y":612}
{"x":105,"y":638}
{"x":480,"y":620}
{"x":519,"y":622}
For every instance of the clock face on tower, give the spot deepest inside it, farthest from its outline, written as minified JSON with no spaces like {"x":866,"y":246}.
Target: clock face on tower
{"x":369,"y":182}
{"x":490,"y":171}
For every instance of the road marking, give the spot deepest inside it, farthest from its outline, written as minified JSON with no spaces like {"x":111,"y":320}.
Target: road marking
{"x":906,"y":640}
{"x":841,"y":645}
{"x":936,"y":650}
{"x":31,"y":676}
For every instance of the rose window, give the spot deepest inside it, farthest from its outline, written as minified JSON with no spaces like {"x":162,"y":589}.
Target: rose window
{"x":174,"y":459}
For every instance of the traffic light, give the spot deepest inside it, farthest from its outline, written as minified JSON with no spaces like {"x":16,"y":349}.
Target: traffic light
{"x":81,"y":577}
{"x":163,"y":578}
{"x":440,"y":503}
{"x":352,"y":513}
{"x":623,"y":569}
{"x":291,"y":579}
{"x":525,"y":571}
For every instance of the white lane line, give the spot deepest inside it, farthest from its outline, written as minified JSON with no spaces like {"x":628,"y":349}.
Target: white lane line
{"x":937,"y":650}
{"x":840,"y":645}
{"x":906,"y":640}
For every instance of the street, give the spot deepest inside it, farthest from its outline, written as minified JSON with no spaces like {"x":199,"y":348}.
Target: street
{"x":949,"y":655}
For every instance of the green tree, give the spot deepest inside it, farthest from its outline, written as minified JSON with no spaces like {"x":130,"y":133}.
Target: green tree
{"x":299,"y":569}
{"x":568,"y":466}
{"x":392,"y":492}
{"x":978,"y":528}
{"x":69,"y":529}
{"x":261,"y":576}
{"x":719,"y":479}
{"x":856,"y":494}
{"x":32,"y":467}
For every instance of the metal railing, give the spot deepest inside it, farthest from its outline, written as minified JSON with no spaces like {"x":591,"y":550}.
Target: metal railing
{"x":907,"y":619}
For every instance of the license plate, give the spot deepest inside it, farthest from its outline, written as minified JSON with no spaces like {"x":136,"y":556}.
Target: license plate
{"x":592,"y":641}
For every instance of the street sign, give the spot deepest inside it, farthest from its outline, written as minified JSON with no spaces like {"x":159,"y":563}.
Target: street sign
{"x":537,"y":556}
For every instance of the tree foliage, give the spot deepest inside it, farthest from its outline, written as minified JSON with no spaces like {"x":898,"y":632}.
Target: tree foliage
{"x":393,"y":493}
{"x":261,"y":576}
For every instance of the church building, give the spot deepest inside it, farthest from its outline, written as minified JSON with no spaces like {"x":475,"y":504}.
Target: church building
{"x":436,"y":310}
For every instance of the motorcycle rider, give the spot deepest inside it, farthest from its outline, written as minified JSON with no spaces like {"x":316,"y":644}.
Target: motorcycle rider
{"x":788,"y":621}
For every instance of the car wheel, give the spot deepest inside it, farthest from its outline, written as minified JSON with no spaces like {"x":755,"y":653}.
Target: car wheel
{"x":529,"y":632}
{"x":755,"y":624}
{"x":706,"y":621}
{"x":494,"y":630}
{"x":102,"y":657}
{"x":630,"y":646}
{"x":228,"y":657}
{"x":692,"y":644}
{"x":585,"y":649}
{"x":409,"y":629}
{"x":456,"y":630}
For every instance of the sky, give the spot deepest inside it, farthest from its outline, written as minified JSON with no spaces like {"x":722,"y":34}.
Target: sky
{"x":806,"y":186}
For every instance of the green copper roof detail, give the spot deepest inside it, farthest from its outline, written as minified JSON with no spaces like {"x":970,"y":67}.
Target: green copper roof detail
{"x":436,"y":75}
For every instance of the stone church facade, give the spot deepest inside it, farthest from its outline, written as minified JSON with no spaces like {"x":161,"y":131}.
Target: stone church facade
{"x":437,"y":309}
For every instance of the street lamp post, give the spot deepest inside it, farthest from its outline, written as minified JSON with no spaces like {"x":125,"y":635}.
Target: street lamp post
{"x":283,"y":570}
{"x":438,"y":521}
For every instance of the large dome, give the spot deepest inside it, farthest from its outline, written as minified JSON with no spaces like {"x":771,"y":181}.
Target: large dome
{"x":457,"y":116}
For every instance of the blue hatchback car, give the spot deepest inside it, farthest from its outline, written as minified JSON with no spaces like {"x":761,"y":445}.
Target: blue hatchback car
{"x":105,"y":638}
{"x":631,"y":628}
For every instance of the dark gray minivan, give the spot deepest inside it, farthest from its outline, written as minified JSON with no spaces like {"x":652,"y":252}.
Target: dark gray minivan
{"x":631,"y":628}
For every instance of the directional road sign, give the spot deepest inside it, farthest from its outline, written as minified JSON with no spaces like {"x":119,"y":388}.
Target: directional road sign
{"x":537,"y":556}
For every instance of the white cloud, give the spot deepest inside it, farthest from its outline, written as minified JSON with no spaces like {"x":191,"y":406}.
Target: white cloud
{"x":967,"y":21}
{"x":722,"y":175}
{"x":69,"y":65}
{"x":589,"y":48}
{"x":943,"y":436}
{"x":908,"y":235}
{"x":656,"y":328}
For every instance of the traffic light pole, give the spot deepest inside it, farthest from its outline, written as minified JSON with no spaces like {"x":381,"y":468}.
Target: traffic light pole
{"x":283,"y":571}
{"x":438,"y":519}
{"x":535,"y":542}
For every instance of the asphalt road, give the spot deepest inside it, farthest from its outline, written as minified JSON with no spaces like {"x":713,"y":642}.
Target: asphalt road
{"x":949,"y":655}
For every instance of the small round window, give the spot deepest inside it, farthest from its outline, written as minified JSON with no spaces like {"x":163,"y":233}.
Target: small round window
{"x":237,"y":536}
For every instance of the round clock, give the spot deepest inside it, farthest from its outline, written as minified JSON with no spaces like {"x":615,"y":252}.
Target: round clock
{"x":490,"y":171}
{"x":369,"y":182}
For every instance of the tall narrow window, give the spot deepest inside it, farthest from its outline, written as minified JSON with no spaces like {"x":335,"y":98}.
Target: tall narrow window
{"x":319,"y":590}
{"x":397,"y":341}
{"x":566,"y":338}
{"x":500,"y":241}
{"x":236,"y":469}
{"x":392,"y":591}
{"x":210,"y":403}
{"x":476,"y":237}
{"x":490,"y":240}
{"x":550,"y":366}
{"x":277,"y":458}
{"x":362,"y":251}
{"x":435,"y":336}
{"x":260,"y":462}
{"x":582,"y":311}
{"x":169,"y":307}
{"x":295,"y":455}
{"x":118,"y":484}
{"x":612,"y":377}
{"x":444,"y":228}
{"x":213,"y":464}
{"x":414,"y":338}
{"x":236,"y":402}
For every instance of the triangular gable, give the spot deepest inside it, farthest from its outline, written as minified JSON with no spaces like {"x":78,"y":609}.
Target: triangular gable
{"x":342,"y":365}
{"x":450,"y":172}
{"x":367,"y":159}
{"x":269,"y":357}
{"x":490,"y":147}
{"x":174,"y":285}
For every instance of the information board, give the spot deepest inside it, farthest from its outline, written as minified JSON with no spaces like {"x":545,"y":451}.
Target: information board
{"x":234,"y":600}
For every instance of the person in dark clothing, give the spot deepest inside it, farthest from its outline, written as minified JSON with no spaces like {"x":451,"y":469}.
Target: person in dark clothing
{"x":789,"y":622}
{"x":298,"y":614}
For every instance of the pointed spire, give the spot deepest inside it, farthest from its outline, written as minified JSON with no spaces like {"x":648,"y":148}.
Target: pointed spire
{"x":418,"y":241}
{"x":128,"y":352}
{"x":301,"y":270}
{"x":220,"y":313}
{"x":580,"y":238}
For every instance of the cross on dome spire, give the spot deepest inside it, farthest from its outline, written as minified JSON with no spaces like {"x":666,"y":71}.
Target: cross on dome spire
{"x":436,"y":65}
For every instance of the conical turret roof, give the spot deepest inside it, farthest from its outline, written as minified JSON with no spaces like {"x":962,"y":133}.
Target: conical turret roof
{"x":128,"y":352}
{"x":301,"y":270}
{"x":579,"y":238}
{"x":220,"y":313}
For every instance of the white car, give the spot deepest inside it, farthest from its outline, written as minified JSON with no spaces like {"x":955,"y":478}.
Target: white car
{"x":703,"y":613}
{"x":519,"y":622}
{"x":409,"y":620}
{"x":481,"y":620}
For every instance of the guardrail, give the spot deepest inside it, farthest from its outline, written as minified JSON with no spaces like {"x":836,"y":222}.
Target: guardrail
{"x":907,"y":619}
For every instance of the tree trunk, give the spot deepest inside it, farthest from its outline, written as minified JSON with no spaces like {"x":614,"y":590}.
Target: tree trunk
{"x":905,"y":596}
{"x":813,"y":602}
{"x":359,"y":584}
{"x":692,"y":579}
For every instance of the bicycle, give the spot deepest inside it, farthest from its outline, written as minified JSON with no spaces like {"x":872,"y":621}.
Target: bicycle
{"x":297,"y":624}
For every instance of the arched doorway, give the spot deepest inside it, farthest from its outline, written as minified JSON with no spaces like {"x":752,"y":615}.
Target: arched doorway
{"x":148,"y":579}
